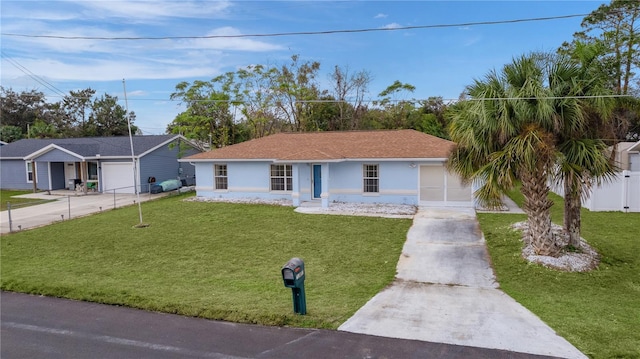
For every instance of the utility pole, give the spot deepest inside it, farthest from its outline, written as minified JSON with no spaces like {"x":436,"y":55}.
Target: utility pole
{"x":133,"y":156}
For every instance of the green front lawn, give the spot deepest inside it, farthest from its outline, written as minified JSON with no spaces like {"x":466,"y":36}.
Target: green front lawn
{"x":213,"y":260}
{"x":222,"y":261}
{"x":599,"y":311}
{"x":8,"y":196}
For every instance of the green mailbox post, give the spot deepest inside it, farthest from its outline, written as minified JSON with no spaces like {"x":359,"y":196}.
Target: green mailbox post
{"x":293,"y":277}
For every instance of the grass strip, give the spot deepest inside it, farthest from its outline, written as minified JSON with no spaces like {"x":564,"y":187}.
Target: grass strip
{"x":8,"y":196}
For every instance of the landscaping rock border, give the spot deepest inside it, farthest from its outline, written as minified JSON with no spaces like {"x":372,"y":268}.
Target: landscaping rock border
{"x":582,"y":260}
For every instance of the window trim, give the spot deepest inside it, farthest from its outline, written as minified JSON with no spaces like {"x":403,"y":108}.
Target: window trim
{"x":29,"y":171}
{"x":287,"y":177}
{"x":217,"y":176}
{"x":89,"y":175}
{"x":365,"y":178}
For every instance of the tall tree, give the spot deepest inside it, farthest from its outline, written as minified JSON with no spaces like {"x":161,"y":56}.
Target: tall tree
{"x":109,"y":118}
{"x":327,"y":114}
{"x":435,"y":105}
{"x":534,"y":121}
{"x":41,"y":129}
{"x":396,"y":109}
{"x":9,"y":133}
{"x":349,"y":90}
{"x":252,"y":91}
{"x":294,"y":86}
{"x":208,"y":117}
{"x":612,"y":30}
{"x":21,"y":109}
{"x":430,"y":117}
{"x":503,"y":134}
{"x":581,"y":106}
{"x":616,"y":26}
{"x":77,"y":106}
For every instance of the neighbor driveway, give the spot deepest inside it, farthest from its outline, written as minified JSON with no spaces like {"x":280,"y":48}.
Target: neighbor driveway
{"x":445,"y":291}
{"x":64,"y":207}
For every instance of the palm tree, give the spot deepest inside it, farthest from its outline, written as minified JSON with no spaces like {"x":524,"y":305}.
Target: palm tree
{"x":534,"y":121}
{"x":581,"y":107}
{"x":503,"y":133}
{"x":583,"y":163}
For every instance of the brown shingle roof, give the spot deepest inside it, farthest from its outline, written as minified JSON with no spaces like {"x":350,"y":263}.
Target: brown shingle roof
{"x":319,"y":146}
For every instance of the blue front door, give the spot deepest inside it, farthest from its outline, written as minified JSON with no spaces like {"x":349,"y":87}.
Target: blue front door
{"x":317,"y":181}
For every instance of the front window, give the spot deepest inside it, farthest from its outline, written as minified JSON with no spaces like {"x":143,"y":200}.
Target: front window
{"x":30,"y":172}
{"x":370,"y":178}
{"x":220,"y":175}
{"x":281,"y":178}
{"x":93,"y":170}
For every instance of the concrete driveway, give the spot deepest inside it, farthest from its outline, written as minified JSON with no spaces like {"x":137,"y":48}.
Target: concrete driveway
{"x":64,"y":203}
{"x":445,"y":291}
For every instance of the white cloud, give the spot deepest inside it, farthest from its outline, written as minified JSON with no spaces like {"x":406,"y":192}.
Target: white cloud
{"x":137,"y":93}
{"x":105,"y":70}
{"x":144,"y":10}
{"x":472,"y":40}
{"x":380,"y":16}
{"x":393,"y":25}
{"x":235,"y":43}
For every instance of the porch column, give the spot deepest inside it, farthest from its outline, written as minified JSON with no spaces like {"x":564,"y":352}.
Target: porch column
{"x":83,"y":175}
{"x":295,"y":194}
{"x":325,"y":185}
{"x":34,"y":176}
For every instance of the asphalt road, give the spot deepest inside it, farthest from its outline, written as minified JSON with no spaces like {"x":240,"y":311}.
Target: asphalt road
{"x":42,"y":327}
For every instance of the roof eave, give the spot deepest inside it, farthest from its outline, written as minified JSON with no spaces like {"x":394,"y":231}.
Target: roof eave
{"x":166,"y":143}
{"x":634,"y":147}
{"x":317,"y":160}
{"x":226,"y":159}
{"x":395,"y":159}
{"x":50,"y":148}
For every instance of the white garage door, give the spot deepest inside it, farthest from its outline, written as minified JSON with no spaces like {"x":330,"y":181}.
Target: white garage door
{"x":431,"y":183}
{"x":118,"y":176}
{"x":438,"y":185}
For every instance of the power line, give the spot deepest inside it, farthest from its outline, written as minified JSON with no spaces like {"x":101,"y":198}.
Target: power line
{"x":237,"y":102}
{"x":545,"y":98}
{"x":28,"y":72}
{"x":277,"y":34}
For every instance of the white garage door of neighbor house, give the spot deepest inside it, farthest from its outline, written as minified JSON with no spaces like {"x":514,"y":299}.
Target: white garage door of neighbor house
{"x":438,"y":185}
{"x":118,"y":176}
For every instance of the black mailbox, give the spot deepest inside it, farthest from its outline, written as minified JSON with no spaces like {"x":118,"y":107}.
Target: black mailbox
{"x":293,"y":273}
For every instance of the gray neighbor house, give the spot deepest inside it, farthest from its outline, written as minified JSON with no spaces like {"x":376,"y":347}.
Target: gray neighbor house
{"x":102,"y":164}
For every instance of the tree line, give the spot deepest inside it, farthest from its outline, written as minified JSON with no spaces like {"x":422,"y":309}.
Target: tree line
{"x":81,"y":113}
{"x":260,"y":100}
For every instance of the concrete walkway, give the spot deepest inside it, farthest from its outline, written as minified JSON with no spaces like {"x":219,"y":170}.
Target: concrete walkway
{"x":65,"y":205}
{"x":445,"y":291}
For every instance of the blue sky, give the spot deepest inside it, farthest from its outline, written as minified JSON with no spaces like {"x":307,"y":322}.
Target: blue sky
{"x":437,"y":61}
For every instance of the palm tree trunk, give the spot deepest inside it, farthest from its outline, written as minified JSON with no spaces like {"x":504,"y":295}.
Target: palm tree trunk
{"x":572,"y":204}
{"x":537,"y":205}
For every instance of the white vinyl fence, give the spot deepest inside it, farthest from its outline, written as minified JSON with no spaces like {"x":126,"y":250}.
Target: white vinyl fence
{"x":622,"y":194}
